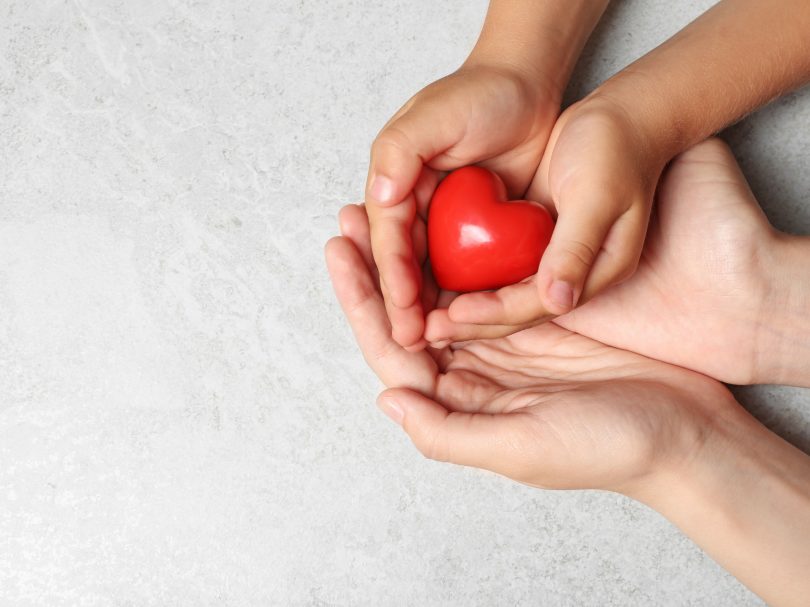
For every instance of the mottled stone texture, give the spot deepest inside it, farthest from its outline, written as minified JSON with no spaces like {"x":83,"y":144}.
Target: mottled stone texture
{"x":184,"y":417}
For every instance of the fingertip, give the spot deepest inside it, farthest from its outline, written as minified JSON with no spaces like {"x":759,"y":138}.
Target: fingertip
{"x":458,"y":310}
{"x":406,"y":400}
{"x":407,"y":327}
{"x":555,"y":300}
{"x":438,"y":327}
{"x":408,"y":336}
{"x":382,"y":190}
{"x":422,"y":418}
{"x":561,"y":276}
{"x":345,"y":218}
{"x":391,"y":406}
{"x":331,"y":250}
{"x":330,"y":244}
{"x":404,"y":291}
{"x":562,"y":296}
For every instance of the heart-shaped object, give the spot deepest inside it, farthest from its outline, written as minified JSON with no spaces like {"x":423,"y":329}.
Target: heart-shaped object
{"x":477,"y":240}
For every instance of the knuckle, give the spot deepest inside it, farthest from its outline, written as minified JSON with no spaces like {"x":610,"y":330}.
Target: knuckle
{"x":625,"y":263}
{"x":579,"y":254}
{"x":626,"y":269}
{"x":433,"y":447}
{"x":356,"y":308}
{"x":382,"y":351}
{"x":390,"y":137}
{"x":399,"y":261}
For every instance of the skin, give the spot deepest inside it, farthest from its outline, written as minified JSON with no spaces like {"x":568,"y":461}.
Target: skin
{"x":554,"y":409}
{"x":514,"y":81}
{"x":745,"y":318}
{"x":601,"y":161}
{"x":606,"y":152}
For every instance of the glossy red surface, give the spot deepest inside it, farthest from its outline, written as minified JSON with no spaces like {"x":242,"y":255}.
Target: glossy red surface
{"x":477,"y":240}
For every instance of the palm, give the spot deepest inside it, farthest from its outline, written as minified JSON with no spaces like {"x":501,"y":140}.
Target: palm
{"x":699,"y":275}
{"x":484,"y":115}
{"x":594,"y":416}
{"x":465,"y":106}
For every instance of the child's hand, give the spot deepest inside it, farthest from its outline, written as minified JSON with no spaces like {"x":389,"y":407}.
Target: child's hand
{"x":546,"y":407}
{"x":607,"y":152}
{"x":497,"y":116}
{"x":600,"y":176}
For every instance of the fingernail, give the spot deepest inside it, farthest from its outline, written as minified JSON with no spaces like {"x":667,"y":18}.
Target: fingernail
{"x":561,"y":294}
{"x":382,"y":188}
{"x":438,"y":345}
{"x":392,"y":409}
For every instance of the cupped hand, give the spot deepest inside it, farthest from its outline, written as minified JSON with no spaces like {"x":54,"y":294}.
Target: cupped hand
{"x":599,"y":177}
{"x":699,"y":296}
{"x":496,"y":116}
{"x":545,"y":406}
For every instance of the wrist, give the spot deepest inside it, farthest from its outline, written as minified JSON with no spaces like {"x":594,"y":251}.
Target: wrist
{"x":657,"y":143}
{"x":542,"y":41}
{"x":722,"y":66}
{"x":744,"y":497}
{"x":644,"y":156}
{"x":783,"y":344}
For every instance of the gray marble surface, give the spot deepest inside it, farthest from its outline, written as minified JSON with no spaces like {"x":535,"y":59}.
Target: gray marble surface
{"x":184,"y":417}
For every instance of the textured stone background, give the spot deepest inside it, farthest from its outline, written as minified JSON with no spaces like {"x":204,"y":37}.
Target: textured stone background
{"x":184,"y":418}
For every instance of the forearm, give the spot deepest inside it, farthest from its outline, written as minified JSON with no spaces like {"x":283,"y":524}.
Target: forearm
{"x":541,"y":38}
{"x":783,"y":347}
{"x":736,"y":57}
{"x":745,"y":499}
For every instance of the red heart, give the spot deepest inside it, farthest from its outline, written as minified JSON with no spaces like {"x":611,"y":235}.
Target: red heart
{"x":477,"y":240}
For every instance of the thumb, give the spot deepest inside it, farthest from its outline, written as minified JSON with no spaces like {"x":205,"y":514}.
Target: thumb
{"x":575,"y":243}
{"x":503,"y":443}
{"x":412,"y":138}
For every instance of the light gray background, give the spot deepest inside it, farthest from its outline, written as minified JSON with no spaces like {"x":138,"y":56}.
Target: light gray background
{"x":184,"y":417}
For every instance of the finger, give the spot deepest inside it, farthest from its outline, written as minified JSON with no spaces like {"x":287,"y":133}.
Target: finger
{"x":353,"y":222}
{"x":513,"y":305}
{"x":407,"y":323}
{"x":408,"y":142}
{"x":503,"y":443}
{"x":393,"y":250}
{"x":620,"y":252}
{"x":364,"y":309}
{"x":539,"y":188}
{"x":441,"y":330}
{"x":397,"y":162}
{"x":430,"y":290}
{"x":419,"y":240}
{"x":424,"y":189}
{"x":575,"y":243}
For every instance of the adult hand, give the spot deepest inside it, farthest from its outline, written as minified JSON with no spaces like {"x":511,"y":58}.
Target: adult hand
{"x":717,"y":289}
{"x":545,"y":406}
{"x":554,"y":409}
